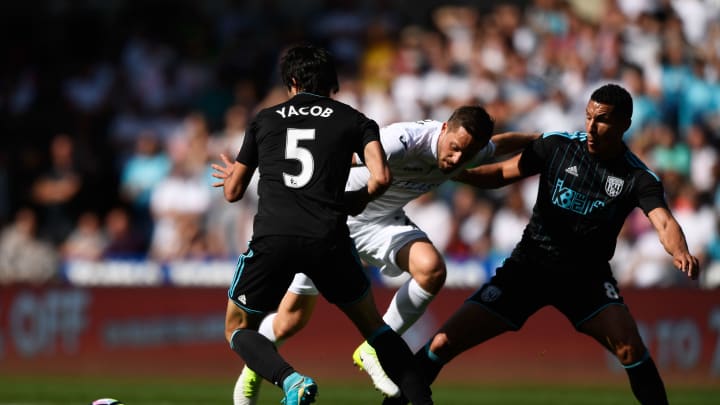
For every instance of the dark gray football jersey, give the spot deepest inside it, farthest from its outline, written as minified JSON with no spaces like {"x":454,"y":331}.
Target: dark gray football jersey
{"x":303,"y":150}
{"x":583,"y":201}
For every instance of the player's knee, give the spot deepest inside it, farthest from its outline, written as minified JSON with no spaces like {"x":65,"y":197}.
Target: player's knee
{"x":233,"y":324}
{"x":433,"y":276}
{"x":229,"y":333}
{"x":439,"y":342}
{"x":628,"y":354}
{"x":433,"y":283}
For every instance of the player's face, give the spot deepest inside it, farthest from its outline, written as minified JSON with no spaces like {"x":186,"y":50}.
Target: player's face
{"x":455,"y":148}
{"x":604,"y":129}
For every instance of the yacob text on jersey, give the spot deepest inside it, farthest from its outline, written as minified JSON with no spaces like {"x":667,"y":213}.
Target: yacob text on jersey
{"x":315,"y":111}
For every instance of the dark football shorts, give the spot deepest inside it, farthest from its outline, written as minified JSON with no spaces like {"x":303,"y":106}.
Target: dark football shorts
{"x":521,"y":287}
{"x":264,"y":273}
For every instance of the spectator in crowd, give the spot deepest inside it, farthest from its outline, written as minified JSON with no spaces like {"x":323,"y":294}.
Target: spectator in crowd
{"x":147,"y":166}
{"x":56,"y":192}
{"x":178,"y":205}
{"x":704,"y":157}
{"x":87,"y":241}
{"x":24,"y":257}
{"x":462,"y":206}
{"x":432,"y":215}
{"x":123,"y":240}
{"x":229,"y":227}
{"x":509,"y":221}
{"x":645,"y":109}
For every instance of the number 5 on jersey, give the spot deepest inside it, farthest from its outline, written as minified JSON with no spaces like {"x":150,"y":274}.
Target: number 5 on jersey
{"x":293,"y":151}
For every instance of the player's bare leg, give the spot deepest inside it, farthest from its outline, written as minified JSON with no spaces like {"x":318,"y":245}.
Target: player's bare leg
{"x":616,"y":329}
{"x":455,"y":337}
{"x":293,"y":314}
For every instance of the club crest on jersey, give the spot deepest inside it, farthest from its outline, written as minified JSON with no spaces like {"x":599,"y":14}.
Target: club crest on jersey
{"x":613,"y":186}
{"x":490,"y":293}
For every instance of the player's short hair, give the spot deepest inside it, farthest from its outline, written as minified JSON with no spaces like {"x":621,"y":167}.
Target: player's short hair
{"x":616,"y":96}
{"x":312,"y":67}
{"x":475,"y":119}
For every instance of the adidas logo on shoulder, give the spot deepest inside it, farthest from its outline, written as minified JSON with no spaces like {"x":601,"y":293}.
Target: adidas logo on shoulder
{"x":572,"y":170}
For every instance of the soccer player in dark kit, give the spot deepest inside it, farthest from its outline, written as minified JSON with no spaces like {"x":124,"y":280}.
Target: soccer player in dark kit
{"x":303,"y":150}
{"x":589,"y":183}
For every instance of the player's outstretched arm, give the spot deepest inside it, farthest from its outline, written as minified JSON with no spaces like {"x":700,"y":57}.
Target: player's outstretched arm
{"x":493,"y":175}
{"x":511,"y":142}
{"x":673,"y":240}
{"x":234,"y":178}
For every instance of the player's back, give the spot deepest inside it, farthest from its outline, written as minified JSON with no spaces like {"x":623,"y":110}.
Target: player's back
{"x":304,"y":148}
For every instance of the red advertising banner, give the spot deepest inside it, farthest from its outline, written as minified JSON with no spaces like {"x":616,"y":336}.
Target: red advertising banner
{"x":170,"y":330}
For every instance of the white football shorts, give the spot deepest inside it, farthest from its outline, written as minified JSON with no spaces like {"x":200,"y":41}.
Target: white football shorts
{"x":378,"y":242}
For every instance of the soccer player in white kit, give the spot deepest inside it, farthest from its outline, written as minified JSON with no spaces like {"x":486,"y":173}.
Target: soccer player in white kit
{"x":421,"y":155}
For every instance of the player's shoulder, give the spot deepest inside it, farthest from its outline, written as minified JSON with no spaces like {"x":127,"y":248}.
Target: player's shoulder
{"x":410,"y":136}
{"x":638,"y":168}
{"x":413,"y":131}
{"x":564,"y":136}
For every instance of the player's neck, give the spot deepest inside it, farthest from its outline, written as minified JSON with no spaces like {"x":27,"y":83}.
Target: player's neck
{"x":613,"y":152}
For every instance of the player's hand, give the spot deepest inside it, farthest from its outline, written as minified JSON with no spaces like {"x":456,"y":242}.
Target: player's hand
{"x":221,"y":172}
{"x":688,"y":264}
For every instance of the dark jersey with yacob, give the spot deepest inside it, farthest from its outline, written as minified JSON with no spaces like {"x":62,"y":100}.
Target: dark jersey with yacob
{"x":303,"y":149}
{"x":582,"y":201}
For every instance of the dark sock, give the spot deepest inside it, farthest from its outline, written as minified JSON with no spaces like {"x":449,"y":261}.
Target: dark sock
{"x":260,"y":355}
{"x":398,"y":362}
{"x":646,"y":383}
{"x":401,"y":400}
{"x":430,"y":366}
{"x":429,"y":363}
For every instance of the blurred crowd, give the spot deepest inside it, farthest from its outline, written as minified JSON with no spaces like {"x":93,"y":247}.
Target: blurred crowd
{"x":112,"y":112}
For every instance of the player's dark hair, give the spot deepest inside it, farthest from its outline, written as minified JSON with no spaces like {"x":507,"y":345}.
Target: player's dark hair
{"x":617,"y":96}
{"x":312,"y":68}
{"x":475,"y":120}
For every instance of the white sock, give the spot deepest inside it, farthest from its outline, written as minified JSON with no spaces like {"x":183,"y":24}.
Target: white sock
{"x":266,"y":328}
{"x":407,"y":306}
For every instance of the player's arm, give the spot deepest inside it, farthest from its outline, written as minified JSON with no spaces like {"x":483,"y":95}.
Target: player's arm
{"x":234,"y":178}
{"x":494,"y":175}
{"x":379,"y":180}
{"x":376,"y":162}
{"x":511,"y":142}
{"x":673,"y":240}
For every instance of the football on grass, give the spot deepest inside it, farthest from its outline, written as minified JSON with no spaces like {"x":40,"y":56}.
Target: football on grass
{"x":106,"y":401}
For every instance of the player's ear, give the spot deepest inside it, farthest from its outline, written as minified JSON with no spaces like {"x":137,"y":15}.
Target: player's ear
{"x":293,"y":86}
{"x":627,"y":124}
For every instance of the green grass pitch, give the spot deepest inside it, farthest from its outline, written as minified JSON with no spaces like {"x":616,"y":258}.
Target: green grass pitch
{"x":34,"y":390}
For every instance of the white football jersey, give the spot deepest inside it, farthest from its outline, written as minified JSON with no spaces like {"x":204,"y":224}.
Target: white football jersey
{"x":411,"y":149}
